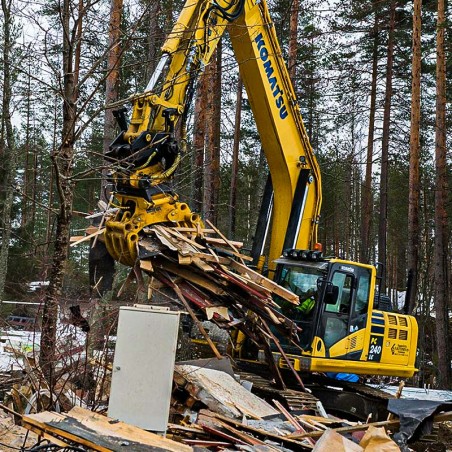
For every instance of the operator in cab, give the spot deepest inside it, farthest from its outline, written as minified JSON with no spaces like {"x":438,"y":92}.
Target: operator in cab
{"x":305,"y":286}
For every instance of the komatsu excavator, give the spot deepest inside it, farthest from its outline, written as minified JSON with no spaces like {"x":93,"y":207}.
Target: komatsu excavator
{"x":347,"y":326}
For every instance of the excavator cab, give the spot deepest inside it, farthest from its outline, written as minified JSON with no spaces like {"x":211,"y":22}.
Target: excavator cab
{"x":342,"y":330}
{"x":341,"y":300}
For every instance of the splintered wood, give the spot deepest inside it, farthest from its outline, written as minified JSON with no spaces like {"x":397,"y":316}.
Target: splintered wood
{"x":208,"y":275}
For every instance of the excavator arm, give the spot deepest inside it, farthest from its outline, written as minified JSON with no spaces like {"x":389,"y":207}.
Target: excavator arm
{"x":294,"y":170}
{"x":146,"y":153}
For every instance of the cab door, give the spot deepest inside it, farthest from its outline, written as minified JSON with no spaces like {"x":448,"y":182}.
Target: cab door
{"x":342,"y":325}
{"x":335,"y":319}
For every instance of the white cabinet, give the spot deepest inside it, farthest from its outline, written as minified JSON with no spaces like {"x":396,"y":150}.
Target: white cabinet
{"x":143,"y":366}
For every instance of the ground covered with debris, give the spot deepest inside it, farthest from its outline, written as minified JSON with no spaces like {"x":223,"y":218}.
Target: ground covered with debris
{"x":213,"y":404}
{"x":213,"y":407}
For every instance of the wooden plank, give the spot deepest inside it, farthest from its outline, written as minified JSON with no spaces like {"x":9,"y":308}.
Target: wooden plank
{"x":249,"y":282}
{"x":206,"y":443}
{"x":215,"y":241}
{"x":317,"y":419}
{"x":191,"y":276}
{"x":186,"y":249}
{"x":242,"y":257}
{"x":202,"y":265}
{"x":213,"y":258}
{"x":183,"y":428}
{"x":195,"y":295}
{"x":238,"y":281}
{"x":196,"y":230}
{"x":219,"y":433}
{"x":44,"y":435}
{"x":47,"y":422}
{"x":242,"y":435}
{"x":184,"y":260}
{"x":442,"y":417}
{"x":254,"y":430}
{"x":146,"y":265}
{"x":180,"y":236}
{"x":164,"y":239}
{"x":265,"y":282}
{"x":310,"y":425}
{"x":86,"y":238}
{"x":100,"y":432}
{"x":75,"y":238}
{"x":223,"y":237}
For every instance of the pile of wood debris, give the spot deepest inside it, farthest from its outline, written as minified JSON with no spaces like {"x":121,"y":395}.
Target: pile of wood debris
{"x":212,"y":407}
{"x":211,"y":281}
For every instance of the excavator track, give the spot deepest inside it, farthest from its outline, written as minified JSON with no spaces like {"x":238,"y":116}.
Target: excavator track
{"x":354,"y":401}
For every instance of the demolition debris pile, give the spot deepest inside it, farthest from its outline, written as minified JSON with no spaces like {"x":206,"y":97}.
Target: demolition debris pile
{"x":215,"y":409}
{"x":209,"y":277}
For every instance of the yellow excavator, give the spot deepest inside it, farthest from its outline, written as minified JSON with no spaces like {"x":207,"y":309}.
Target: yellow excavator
{"x":347,"y":323}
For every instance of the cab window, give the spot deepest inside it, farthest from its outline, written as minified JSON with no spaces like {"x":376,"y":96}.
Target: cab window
{"x":362,"y":293}
{"x":344,"y":282}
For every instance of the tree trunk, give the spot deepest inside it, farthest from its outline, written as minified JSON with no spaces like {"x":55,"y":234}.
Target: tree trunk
{"x":62,"y":160}
{"x":235,"y":161}
{"x":213,"y":122}
{"x":155,"y":36}
{"x":293,"y":34}
{"x":9,"y":152}
{"x":27,"y":171}
{"x":442,"y":297}
{"x":367,"y":207}
{"x":49,"y":228}
{"x":413,"y":179}
{"x":199,"y":133}
{"x":383,"y":218}
{"x":112,"y":80}
{"x":101,"y":264}
{"x":216,"y":136}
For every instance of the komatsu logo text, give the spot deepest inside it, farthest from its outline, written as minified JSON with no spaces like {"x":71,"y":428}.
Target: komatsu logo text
{"x":276,"y":90}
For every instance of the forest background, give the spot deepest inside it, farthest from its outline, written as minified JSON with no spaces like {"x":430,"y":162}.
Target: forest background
{"x":373,"y":90}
